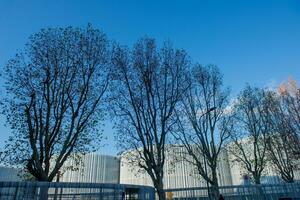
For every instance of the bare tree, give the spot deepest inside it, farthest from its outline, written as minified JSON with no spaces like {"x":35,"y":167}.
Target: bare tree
{"x":54,"y":98}
{"x":281,"y":139}
{"x":290,"y":97}
{"x":250,"y":132}
{"x":148,"y":85}
{"x":202,"y":122}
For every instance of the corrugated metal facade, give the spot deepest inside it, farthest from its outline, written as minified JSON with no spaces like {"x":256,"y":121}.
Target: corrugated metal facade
{"x":95,"y":169}
{"x":179,"y":174}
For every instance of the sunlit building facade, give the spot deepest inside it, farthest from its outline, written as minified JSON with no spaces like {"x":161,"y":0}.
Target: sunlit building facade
{"x":177,"y":174}
{"x":269,"y":175}
{"x":94,"y":168}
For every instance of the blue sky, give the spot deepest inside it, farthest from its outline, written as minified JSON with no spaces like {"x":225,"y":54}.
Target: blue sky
{"x":256,"y":42}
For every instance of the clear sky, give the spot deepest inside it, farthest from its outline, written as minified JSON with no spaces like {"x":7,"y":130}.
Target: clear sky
{"x":256,"y":42}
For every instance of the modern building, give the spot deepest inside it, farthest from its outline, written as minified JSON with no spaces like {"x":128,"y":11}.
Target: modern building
{"x":269,"y":175}
{"x":10,"y":174}
{"x":94,"y":168}
{"x":178,"y":174}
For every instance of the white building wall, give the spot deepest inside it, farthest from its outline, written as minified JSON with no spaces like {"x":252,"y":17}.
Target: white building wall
{"x":269,"y":176}
{"x":10,"y":174}
{"x":95,"y":168}
{"x":178,"y":174}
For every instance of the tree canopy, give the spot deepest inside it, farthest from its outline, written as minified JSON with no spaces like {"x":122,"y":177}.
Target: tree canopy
{"x":55,"y":91}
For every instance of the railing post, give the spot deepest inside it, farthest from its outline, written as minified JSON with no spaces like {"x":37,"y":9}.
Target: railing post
{"x":61,"y":193}
{"x":17,"y":191}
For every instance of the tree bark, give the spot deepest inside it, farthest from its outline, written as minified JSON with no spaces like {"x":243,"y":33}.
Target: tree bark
{"x":256,"y":179}
{"x":160,"y":192}
{"x":215,"y":193}
{"x":43,"y":193}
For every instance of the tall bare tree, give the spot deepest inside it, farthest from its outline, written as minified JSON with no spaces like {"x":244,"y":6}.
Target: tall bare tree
{"x":54,"y":98}
{"x":250,"y":132}
{"x":202,"y":122}
{"x":290,"y":97}
{"x":281,"y":138}
{"x":149,"y":82}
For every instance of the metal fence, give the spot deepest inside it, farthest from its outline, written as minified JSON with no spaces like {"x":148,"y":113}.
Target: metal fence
{"x":99,"y":191}
{"x":289,"y":191}
{"x":73,"y":191}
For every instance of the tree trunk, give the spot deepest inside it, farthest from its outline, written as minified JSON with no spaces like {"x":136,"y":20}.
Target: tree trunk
{"x":160,"y":190}
{"x":259,"y":186}
{"x":214,"y":192}
{"x":43,"y":195}
{"x":161,"y":194}
{"x":256,"y":179}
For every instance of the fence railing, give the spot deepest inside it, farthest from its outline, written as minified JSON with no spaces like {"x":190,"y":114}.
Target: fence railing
{"x":99,"y":191}
{"x":73,"y":191}
{"x":290,"y":191}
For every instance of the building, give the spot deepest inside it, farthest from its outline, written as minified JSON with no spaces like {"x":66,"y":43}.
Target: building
{"x":177,"y":174}
{"x":238,"y":172}
{"x":94,"y":168}
{"x":10,"y":174}
{"x":269,"y":176}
